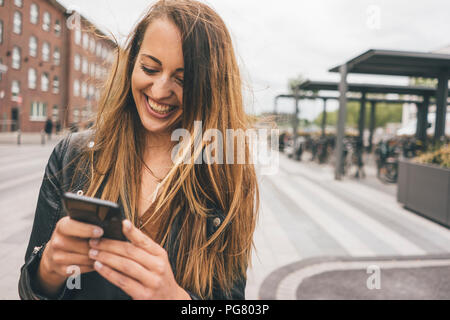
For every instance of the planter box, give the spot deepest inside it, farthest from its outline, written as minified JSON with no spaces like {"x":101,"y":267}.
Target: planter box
{"x":425,"y":189}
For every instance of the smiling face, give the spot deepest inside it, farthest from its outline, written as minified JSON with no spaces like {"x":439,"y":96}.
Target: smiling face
{"x":157,"y":78}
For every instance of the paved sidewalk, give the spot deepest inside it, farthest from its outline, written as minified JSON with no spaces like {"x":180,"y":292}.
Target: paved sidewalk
{"x":306,"y":214}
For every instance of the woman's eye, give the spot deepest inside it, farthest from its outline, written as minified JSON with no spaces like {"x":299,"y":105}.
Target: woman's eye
{"x":148,"y":71}
{"x":180,"y":81}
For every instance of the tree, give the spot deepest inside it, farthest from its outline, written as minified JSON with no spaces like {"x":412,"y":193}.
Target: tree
{"x":385,"y":113}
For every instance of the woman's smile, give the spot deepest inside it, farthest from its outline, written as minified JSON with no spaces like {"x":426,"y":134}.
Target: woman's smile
{"x":159,"y":110}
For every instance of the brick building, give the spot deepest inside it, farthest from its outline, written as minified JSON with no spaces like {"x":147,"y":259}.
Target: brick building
{"x":52,"y":63}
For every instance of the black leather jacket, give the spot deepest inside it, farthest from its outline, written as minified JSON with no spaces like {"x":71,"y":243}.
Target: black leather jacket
{"x":49,"y":210}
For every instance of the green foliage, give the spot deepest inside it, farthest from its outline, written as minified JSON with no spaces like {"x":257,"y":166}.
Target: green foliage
{"x":385,"y":113}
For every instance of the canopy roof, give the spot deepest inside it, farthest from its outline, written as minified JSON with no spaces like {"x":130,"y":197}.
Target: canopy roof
{"x":399,"y":63}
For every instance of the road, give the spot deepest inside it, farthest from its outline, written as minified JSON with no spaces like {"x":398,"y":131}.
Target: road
{"x":306,"y":216}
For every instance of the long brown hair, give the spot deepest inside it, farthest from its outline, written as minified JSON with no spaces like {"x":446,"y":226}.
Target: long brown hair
{"x":212,"y":94}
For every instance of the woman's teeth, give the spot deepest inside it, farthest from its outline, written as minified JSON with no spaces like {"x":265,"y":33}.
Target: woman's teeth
{"x":158,"y":107}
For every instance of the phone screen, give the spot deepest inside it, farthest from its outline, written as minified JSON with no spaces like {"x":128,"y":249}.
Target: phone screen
{"x":102,"y":213}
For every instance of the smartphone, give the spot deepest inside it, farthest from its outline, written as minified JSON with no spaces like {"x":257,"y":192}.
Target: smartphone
{"x":102,"y":213}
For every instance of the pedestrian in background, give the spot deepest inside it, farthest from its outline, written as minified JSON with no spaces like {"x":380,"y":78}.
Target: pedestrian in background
{"x":49,"y":128}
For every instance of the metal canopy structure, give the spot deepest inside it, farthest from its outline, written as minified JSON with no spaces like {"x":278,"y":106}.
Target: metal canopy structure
{"x":367,"y":88}
{"x":364,"y":88}
{"x":372,"y":101}
{"x":399,"y":63}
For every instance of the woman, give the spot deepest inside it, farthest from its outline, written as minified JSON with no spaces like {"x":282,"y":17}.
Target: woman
{"x":189,"y":224}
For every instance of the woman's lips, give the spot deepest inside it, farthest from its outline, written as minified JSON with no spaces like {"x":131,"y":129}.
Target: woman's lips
{"x":156,"y":113}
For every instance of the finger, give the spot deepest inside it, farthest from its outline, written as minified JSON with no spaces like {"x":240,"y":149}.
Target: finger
{"x":139,"y":239}
{"x":73,"y":228}
{"x":69,"y":258}
{"x":130,"y":251}
{"x":132,"y":287}
{"x":126,"y":267}
{"x":70,"y":244}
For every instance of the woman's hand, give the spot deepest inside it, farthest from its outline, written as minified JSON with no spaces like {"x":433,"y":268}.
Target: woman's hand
{"x":140,"y":268}
{"x":68,"y":246}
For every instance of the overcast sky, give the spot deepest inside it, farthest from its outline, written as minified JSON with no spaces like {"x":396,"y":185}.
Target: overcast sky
{"x":278,"y":40}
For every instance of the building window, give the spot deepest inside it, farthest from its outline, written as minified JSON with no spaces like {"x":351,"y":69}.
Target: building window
{"x":76,"y":115}
{"x":84,"y":90}
{"x":44,"y":82}
{"x":55,"y":113}
{"x":85,"y":66}
{"x":1,"y":74}
{"x":46,"y":51}
{"x":77,"y":36}
{"x":34,"y":13}
{"x":33,"y":46}
{"x":91,"y":92}
{"x":56,"y":56}
{"x":92,"y":70}
{"x":92,"y":45}
{"x":85,"y":41}
{"x":1,"y":3}
{"x":57,"y":27}
{"x":76,"y":88}
{"x":16,"y":58}
{"x":32,"y":78}
{"x":1,"y":31}
{"x":76,"y":62}
{"x":55,"y":85}
{"x":99,"y":50}
{"x":46,"y":21}
{"x":38,"y":111}
{"x":15,"y":88}
{"x":18,"y":3}
{"x":17,"y":22}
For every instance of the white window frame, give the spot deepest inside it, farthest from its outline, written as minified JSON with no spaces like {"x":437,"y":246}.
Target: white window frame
{"x":57,"y":27}
{"x":38,"y":111}
{"x":46,"y":21}
{"x":45,"y":82}
{"x":77,"y":36}
{"x":32,"y":75}
{"x":15,"y":88}
{"x":45,"y":53}
{"x":34,"y":13}
{"x":33,"y":51}
{"x":16,"y":61}
{"x":85,"y":41}
{"x":76,"y":88}
{"x":55,"y":86}
{"x":85,"y":66}
{"x":56,"y":56}
{"x":17,"y":22}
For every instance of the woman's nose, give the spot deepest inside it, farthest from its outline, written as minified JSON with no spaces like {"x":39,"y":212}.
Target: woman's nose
{"x":161,"y":88}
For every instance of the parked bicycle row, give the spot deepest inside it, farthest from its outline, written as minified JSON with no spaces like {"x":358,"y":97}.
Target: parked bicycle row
{"x":321,"y":149}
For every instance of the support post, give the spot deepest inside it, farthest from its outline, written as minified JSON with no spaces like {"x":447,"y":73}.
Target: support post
{"x":373,"y":106}
{"x":362,"y":118}
{"x":295,"y":120}
{"x":441,"y":106}
{"x":422,"y":119}
{"x":324,"y":117}
{"x":341,"y":121}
